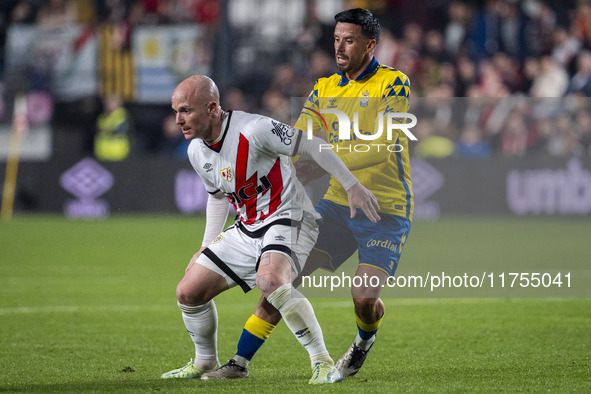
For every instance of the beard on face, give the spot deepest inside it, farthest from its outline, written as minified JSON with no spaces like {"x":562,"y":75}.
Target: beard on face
{"x":352,"y":66}
{"x":343,"y":67}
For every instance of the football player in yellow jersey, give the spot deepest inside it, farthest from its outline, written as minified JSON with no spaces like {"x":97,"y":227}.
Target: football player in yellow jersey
{"x":382,"y":165}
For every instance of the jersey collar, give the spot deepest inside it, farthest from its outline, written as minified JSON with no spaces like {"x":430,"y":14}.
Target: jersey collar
{"x":225,"y":124}
{"x":370,"y":69}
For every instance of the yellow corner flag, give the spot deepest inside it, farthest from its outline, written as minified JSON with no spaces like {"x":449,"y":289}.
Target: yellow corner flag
{"x":19,"y":128}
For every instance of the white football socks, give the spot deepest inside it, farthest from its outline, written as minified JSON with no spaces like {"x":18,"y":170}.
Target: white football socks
{"x":202,"y":324}
{"x":299,"y":317}
{"x":364,"y":344}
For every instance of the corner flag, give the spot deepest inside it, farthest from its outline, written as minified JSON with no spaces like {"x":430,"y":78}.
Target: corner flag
{"x":19,"y":128}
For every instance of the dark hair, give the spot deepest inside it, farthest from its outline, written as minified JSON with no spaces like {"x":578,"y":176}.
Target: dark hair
{"x":370,"y":26}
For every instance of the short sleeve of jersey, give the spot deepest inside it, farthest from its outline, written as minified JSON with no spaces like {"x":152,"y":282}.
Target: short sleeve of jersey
{"x":193,"y":152}
{"x":395,"y":97}
{"x":273,"y":136}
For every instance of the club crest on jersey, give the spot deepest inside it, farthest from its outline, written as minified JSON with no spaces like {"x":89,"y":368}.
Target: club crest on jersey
{"x":283,"y":131}
{"x":227,"y":174}
{"x":364,"y":99}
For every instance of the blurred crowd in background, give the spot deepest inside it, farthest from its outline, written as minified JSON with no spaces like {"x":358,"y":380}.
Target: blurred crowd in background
{"x":490,"y":77}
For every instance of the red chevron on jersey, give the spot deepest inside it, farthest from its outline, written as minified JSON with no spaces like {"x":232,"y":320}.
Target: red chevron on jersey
{"x":247,"y":190}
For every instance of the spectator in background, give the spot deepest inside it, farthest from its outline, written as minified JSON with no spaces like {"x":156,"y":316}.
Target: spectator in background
{"x":580,"y":83}
{"x":491,"y":80}
{"x":531,"y":69}
{"x":86,"y":11}
{"x":388,"y":50}
{"x":456,"y":31}
{"x":286,"y":81}
{"x":508,"y":70}
{"x":542,"y":131}
{"x":565,"y":48}
{"x":56,"y":13}
{"x":471,"y":143}
{"x":275,"y":105}
{"x":315,"y":31}
{"x":320,"y":64}
{"x":551,"y":80}
{"x":485,"y":28}
{"x":173,"y":142}
{"x":582,"y":23}
{"x":431,"y":145}
{"x":583,"y":130}
{"x":433,"y":48}
{"x":448,"y":78}
{"x":113,"y":11}
{"x":563,"y":140}
{"x":466,"y":76}
{"x":513,"y":25}
{"x":408,"y":60}
{"x":513,"y":139}
{"x":541,"y":25}
{"x":113,"y":139}
{"x":24,"y":12}
{"x":149,"y":12}
{"x":236,"y":100}
{"x":434,"y":146}
{"x":207,"y":11}
{"x":413,"y":37}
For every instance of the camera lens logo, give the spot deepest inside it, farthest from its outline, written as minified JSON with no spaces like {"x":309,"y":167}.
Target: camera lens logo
{"x":318,"y":118}
{"x":86,"y":180}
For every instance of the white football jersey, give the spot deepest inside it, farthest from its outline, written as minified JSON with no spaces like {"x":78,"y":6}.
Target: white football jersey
{"x":251,"y":165}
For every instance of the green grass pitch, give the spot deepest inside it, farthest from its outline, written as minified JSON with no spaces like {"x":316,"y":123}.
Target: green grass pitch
{"x":89,"y":306}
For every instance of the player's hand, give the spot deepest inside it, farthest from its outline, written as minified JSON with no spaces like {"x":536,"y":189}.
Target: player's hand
{"x":194,"y":258}
{"x":308,"y":170}
{"x":360,"y":197}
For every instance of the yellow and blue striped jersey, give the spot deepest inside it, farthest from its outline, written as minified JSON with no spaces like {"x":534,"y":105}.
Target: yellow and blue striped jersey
{"x":382,"y":165}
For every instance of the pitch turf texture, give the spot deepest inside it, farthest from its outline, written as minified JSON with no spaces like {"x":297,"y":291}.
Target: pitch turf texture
{"x":89,"y":306}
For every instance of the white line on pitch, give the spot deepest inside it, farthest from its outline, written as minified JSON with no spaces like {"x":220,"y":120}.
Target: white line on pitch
{"x":434,"y":301}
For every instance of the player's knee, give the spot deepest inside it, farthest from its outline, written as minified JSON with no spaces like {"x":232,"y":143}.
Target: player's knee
{"x":268,"y":284}
{"x":365,"y":303}
{"x":190,"y":296}
{"x":366,"y":294}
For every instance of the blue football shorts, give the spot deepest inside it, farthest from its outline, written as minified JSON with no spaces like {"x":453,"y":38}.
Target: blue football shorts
{"x":379,"y":244}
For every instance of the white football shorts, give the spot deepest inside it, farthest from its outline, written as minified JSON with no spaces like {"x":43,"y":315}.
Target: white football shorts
{"x":236,"y":252}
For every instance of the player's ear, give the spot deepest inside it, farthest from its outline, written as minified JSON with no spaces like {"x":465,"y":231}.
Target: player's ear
{"x":371,"y":45}
{"x":212,"y":107}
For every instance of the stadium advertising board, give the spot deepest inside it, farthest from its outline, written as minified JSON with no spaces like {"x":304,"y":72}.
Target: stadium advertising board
{"x":87,"y":180}
{"x":529,"y":186}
